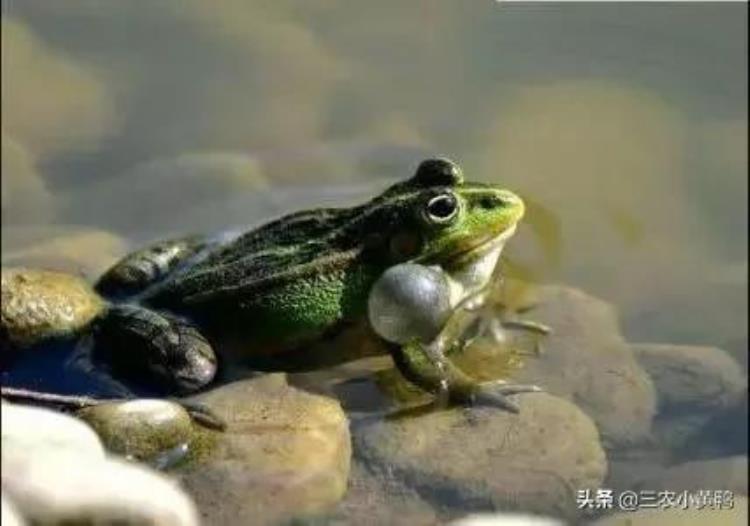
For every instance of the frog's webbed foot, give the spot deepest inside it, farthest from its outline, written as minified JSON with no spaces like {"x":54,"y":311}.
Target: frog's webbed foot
{"x":496,"y":329}
{"x":497,"y":394}
{"x":202,"y":414}
{"x":495,"y":326}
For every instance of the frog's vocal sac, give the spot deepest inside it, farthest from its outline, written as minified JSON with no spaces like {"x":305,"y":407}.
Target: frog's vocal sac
{"x":178,"y":309}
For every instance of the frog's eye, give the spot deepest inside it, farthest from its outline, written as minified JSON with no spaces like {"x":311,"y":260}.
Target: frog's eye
{"x":442,"y":208}
{"x":439,"y":172}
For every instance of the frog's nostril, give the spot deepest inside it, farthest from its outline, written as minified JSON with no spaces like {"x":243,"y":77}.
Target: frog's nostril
{"x":489,"y":202}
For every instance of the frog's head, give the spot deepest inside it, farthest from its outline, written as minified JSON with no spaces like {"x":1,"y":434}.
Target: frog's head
{"x":450,"y":221}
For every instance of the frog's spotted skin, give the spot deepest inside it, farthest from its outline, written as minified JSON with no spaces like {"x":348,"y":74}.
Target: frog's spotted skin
{"x":281,"y":287}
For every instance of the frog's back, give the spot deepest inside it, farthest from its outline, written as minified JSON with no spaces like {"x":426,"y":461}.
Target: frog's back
{"x":284,"y":280}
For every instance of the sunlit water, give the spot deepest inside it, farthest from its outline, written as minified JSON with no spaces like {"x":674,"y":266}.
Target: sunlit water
{"x":624,"y":126}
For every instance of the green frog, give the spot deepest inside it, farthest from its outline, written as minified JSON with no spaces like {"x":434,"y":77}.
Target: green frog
{"x":406,"y":272}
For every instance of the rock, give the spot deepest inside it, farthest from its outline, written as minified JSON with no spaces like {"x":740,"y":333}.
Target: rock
{"x":463,"y":460}
{"x":285,"y":452}
{"x":86,"y":252}
{"x":26,"y":429}
{"x":506,"y":519}
{"x":39,"y":304}
{"x":737,"y":516}
{"x":587,"y":361}
{"x":10,"y":515}
{"x":719,"y":474}
{"x":697,"y":387}
{"x":700,"y":378}
{"x":72,"y":489}
{"x":723,"y":434}
{"x":140,"y":428}
{"x":371,"y":500}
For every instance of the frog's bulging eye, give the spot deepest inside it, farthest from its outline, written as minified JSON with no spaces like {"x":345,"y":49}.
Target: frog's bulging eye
{"x":439,"y":172}
{"x":442,"y":209}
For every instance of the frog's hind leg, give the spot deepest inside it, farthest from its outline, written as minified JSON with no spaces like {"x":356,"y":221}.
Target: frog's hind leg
{"x":152,"y":348}
{"x":136,"y":271}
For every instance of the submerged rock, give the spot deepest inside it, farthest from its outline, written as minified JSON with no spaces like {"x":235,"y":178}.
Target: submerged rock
{"x":728,"y":473}
{"x":701,"y":378}
{"x":373,"y":499}
{"x":697,"y":387}
{"x":587,"y":361}
{"x":736,"y":516}
{"x":487,"y":459}
{"x":140,"y":428}
{"x":284,"y":452}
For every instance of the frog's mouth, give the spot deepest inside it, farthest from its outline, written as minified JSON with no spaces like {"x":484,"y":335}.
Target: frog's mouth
{"x":480,"y":248}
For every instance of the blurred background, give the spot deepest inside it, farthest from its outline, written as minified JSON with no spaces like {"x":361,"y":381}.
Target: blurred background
{"x":624,"y":125}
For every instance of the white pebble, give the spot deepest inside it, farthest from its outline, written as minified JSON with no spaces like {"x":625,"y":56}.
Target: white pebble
{"x":55,"y":489}
{"x":31,"y":428}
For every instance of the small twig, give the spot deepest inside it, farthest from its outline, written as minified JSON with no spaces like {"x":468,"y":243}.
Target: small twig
{"x":198,"y":412}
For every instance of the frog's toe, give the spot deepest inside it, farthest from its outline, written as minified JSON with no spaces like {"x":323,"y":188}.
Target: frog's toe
{"x":202,"y":415}
{"x":498,"y":329}
{"x":498,"y":394}
{"x":531,"y":326}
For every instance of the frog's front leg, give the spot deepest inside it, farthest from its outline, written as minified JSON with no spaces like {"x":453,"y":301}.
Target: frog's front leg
{"x":496,"y":327}
{"x":410,"y":307}
{"x":426,"y":366}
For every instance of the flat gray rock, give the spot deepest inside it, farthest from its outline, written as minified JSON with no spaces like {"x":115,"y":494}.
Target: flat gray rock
{"x":587,"y":361}
{"x":463,"y":460}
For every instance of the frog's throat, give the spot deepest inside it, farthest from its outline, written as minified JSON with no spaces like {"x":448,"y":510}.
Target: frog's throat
{"x":477,"y":267}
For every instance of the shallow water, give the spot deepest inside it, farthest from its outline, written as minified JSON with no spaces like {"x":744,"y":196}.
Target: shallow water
{"x":624,"y":126}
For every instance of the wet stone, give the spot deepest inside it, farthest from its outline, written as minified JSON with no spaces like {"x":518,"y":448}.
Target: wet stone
{"x":729,"y":473}
{"x":700,"y":390}
{"x":284,"y":453}
{"x":141,"y":429}
{"x":484,"y":459}
{"x":587,"y":361}
{"x":40,"y":304}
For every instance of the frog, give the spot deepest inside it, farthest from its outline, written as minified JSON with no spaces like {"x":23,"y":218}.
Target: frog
{"x":407,"y":271}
